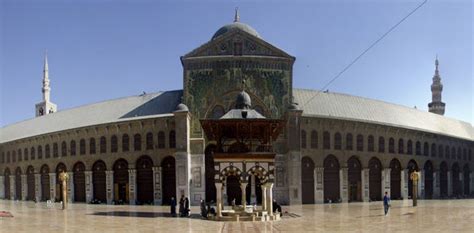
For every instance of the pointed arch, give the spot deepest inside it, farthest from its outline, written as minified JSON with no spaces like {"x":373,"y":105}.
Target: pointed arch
{"x":331,"y":179}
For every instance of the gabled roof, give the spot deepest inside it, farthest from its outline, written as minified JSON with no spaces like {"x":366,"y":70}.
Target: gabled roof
{"x":117,"y":110}
{"x":354,"y":108}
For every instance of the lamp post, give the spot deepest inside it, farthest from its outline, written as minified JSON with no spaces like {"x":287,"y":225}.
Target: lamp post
{"x":415,"y":176}
{"x":64,"y":178}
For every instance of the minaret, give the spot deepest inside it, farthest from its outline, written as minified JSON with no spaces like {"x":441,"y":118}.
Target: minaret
{"x":45,"y":107}
{"x":436,"y":106}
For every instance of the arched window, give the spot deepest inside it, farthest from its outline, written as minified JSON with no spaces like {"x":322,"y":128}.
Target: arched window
{"x":32,"y":153}
{"x":55,"y":150}
{"x":314,"y":139}
{"x":137,"y":142}
{"x":149,"y":141}
{"x":113,"y":144}
{"x":72,"y":146}
{"x":40,"y":152}
{"x":125,"y":143}
{"x":391,"y":145}
{"x":172,"y":139}
{"x":418,"y":148}
{"x":92,"y":146}
{"x":349,"y":142}
{"x":63,"y":149}
{"x":337,"y":141}
{"x":401,"y":146}
{"x":426,"y":149}
{"x":326,"y":140}
{"x":381,"y":145}
{"x":433,"y":150}
{"x":20,"y":156}
{"x":103,"y":145}
{"x":409,"y":147}
{"x":47,"y":151}
{"x":440,"y":151}
{"x":161,"y":140}
{"x":360,"y":142}
{"x":370,"y":143}
{"x":303,"y":139}
{"x":82,"y":147}
{"x":25,"y":154}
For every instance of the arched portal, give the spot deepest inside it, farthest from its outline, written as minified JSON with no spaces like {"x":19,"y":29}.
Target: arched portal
{"x":331,"y":179}
{"x":7,"y":183}
{"x":307,"y":180}
{"x":99,"y":181}
{"x":258,"y":189}
{"x":30,"y":183}
{"x":467,"y":180}
{"x":210,"y":173}
{"x":233,"y":189}
{"x":79,"y":182}
{"x":412,"y":166}
{"x":375,"y":179}
{"x":395,"y":179}
{"x":428,"y":169}
{"x":455,"y":178}
{"x":59,"y":185}
{"x":121,"y":181}
{"x":355,"y":180}
{"x":168,"y":179}
{"x":443,"y":179}
{"x":144,"y":167}
{"x":18,"y":183}
{"x":45,"y":186}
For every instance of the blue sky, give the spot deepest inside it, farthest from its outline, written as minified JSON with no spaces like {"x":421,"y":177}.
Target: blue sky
{"x":100,"y":50}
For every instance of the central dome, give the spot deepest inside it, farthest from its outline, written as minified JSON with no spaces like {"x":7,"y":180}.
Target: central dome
{"x":233,"y":27}
{"x":243,"y":101}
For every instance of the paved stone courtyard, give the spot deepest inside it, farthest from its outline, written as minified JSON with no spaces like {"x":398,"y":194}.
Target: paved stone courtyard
{"x":429,"y":216}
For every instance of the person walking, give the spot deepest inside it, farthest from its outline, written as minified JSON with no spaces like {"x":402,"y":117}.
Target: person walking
{"x":386,"y":203}
{"x":181,"y":206}
{"x":173,"y":207}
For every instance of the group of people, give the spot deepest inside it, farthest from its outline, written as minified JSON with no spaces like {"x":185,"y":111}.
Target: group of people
{"x":183,"y":207}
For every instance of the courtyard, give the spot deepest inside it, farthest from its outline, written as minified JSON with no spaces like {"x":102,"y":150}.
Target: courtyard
{"x":429,"y":216}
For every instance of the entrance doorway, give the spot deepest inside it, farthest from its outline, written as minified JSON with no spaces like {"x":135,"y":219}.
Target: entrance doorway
{"x":145,"y":180}
{"x":30,"y":180}
{"x":233,"y":190}
{"x":121,"y":181}
{"x":395,"y":179}
{"x":331,"y":179}
{"x":307,"y":180}
{"x":168,"y":180}
{"x":428,"y":168}
{"x":45,"y":192}
{"x":355,"y":179}
{"x":18,"y":183}
{"x":79,"y":182}
{"x":375,"y":179}
{"x":99,"y":181}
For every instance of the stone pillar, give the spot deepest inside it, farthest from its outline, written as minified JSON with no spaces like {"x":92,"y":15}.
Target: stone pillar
{"x":471,"y":187}
{"x":219,"y":198}
{"x":2,"y":187}
{"x":461,"y":182}
{"x":404,"y":183}
{"x":253,"y":196}
{"x":157,"y":197}
{"x":12,"y":187}
{"x":319,"y":185}
{"x":365,"y":185}
{"x":243,"y":187}
{"x":24,"y":187}
{"x":421,"y":185}
{"x":264,"y":197}
{"x":38,"y":187}
{"x":270,"y":198}
{"x":89,"y":186}
{"x":343,"y":174}
{"x":436,"y":188}
{"x":70,"y":188}
{"x":386,"y":181}
{"x":109,"y":182}
{"x":450,"y":184}
{"x":183,"y":164}
{"x":224,"y":194}
{"x":52,"y":186}
{"x":132,"y":183}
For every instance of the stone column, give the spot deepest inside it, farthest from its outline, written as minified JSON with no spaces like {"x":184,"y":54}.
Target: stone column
{"x":461,"y":182}
{"x":404,"y":183}
{"x":89,"y":186}
{"x":219,"y":198}
{"x":436,"y":188}
{"x":365,"y":185}
{"x":421,"y":185}
{"x":52,"y":186}
{"x":157,"y":197}
{"x":12,"y":187}
{"x":343,"y":174}
{"x":38,"y":187}
{"x":109,"y":182}
{"x":386,"y":181}
{"x":24,"y":187}
{"x":270,"y":198}
{"x":450,"y":184}
{"x":132,"y":174}
{"x":319,"y":185}
{"x":70,"y":188}
{"x":243,"y":187}
{"x":224,"y":194}
{"x":2,"y":187}
{"x":264,"y":197}
{"x":253,"y":196}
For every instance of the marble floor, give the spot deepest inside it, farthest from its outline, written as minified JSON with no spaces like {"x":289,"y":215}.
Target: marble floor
{"x":430,"y":216}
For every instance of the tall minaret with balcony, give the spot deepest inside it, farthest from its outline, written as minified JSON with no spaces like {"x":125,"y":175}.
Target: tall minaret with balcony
{"x":436,"y":106}
{"x":45,"y":107}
